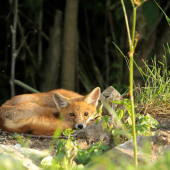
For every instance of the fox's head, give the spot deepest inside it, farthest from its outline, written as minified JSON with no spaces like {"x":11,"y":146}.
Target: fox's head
{"x":78,"y":111}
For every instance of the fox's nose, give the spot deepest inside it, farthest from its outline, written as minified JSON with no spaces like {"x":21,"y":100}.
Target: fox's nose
{"x":80,"y":126}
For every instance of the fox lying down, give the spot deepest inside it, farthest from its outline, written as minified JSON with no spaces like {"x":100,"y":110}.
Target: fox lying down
{"x":43,"y":113}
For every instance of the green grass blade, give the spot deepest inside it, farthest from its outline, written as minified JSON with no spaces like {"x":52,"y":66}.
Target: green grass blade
{"x":168,"y":20}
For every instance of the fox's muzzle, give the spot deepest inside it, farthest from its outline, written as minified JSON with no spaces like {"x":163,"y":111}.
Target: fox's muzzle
{"x":80,"y":126}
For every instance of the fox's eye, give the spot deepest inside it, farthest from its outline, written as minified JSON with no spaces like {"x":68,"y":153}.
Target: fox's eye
{"x":85,"y":114}
{"x":72,"y":114}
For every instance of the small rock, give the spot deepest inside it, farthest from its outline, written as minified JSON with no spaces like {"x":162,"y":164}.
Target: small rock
{"x":17,"y":145}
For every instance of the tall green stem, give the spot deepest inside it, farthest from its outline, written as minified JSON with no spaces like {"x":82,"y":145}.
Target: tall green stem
{"x":132,"y":104}
{"x":127,"y":24}
{"x":134,"y":25}
{"x":131,"y":47}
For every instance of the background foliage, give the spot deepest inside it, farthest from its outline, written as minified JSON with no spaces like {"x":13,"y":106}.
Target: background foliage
{"x":98,"y":62}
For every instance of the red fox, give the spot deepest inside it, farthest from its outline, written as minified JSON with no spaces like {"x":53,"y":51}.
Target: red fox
{"x":43,"y":113}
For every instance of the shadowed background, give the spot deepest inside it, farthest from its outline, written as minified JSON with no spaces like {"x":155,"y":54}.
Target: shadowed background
{"x":68,"y":44}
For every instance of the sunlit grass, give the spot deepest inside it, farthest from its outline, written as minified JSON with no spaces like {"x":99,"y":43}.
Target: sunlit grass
{"x":154,"y":97}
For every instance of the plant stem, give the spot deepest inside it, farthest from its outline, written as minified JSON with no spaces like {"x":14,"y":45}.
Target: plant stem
{"x":25,"y":86}
{"x":132,"y":105}
{"x":134,"y":25}
{"x":127,"y":24}
{"x":131,"y":47}
{"x":131,"y":86}
{"x":14,"y":53}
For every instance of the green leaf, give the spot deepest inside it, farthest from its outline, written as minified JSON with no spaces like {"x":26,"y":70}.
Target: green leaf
{"x":129,"y":120}
{"x":104,"y":147}
{"x":120,"y":113}
{"x":128,"y":106}
{"x":56,"y":134}
{"x":47,"y":161}
{"x":82,"y":156}
{"x":60,"y":144}
{"x":145,"y":123}
{"x":68,"y":132}
{"x":99,"y":110}
{"x":96,"y":153}
{"x":97,"y":120}
{"x":60,"y":155}
{"x":167,"y":18}
{"x":118,"y":102}
{"x":106,"y":118}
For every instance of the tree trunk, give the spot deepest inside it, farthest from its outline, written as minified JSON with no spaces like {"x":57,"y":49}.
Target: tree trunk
{"x":69,"y":45}
{"x":54,"y":54}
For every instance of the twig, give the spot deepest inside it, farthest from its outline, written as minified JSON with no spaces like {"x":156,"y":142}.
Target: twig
{"x":13,"y":30}
{"x":41,"y":136}
{"x":25,"y":86}
{"x":24,"y":42}
{"x":49,"y":137}
{"x":31,"y":54}
{"x":32,"y":22}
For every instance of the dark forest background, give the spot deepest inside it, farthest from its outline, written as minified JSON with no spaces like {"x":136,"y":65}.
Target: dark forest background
{"x":68,"y":44}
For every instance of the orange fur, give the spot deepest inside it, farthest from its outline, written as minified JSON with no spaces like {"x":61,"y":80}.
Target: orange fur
{"x":43,"y":113}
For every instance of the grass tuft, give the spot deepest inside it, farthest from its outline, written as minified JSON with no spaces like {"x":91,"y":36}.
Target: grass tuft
{"x":154,"y":98}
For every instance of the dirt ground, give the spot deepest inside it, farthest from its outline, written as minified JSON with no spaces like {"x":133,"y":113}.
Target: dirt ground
{"x":164,"y":122}
{"x":44,"y":143}
{"x":31,"y":142}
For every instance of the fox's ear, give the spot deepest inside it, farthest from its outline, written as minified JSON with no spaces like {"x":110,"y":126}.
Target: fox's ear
{"x":92,"y":97}
{"x":60,"y":101}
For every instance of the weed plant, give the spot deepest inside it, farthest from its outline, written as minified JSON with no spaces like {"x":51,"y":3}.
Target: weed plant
{"x":154,"y":98}
{"x":69,"y":156}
